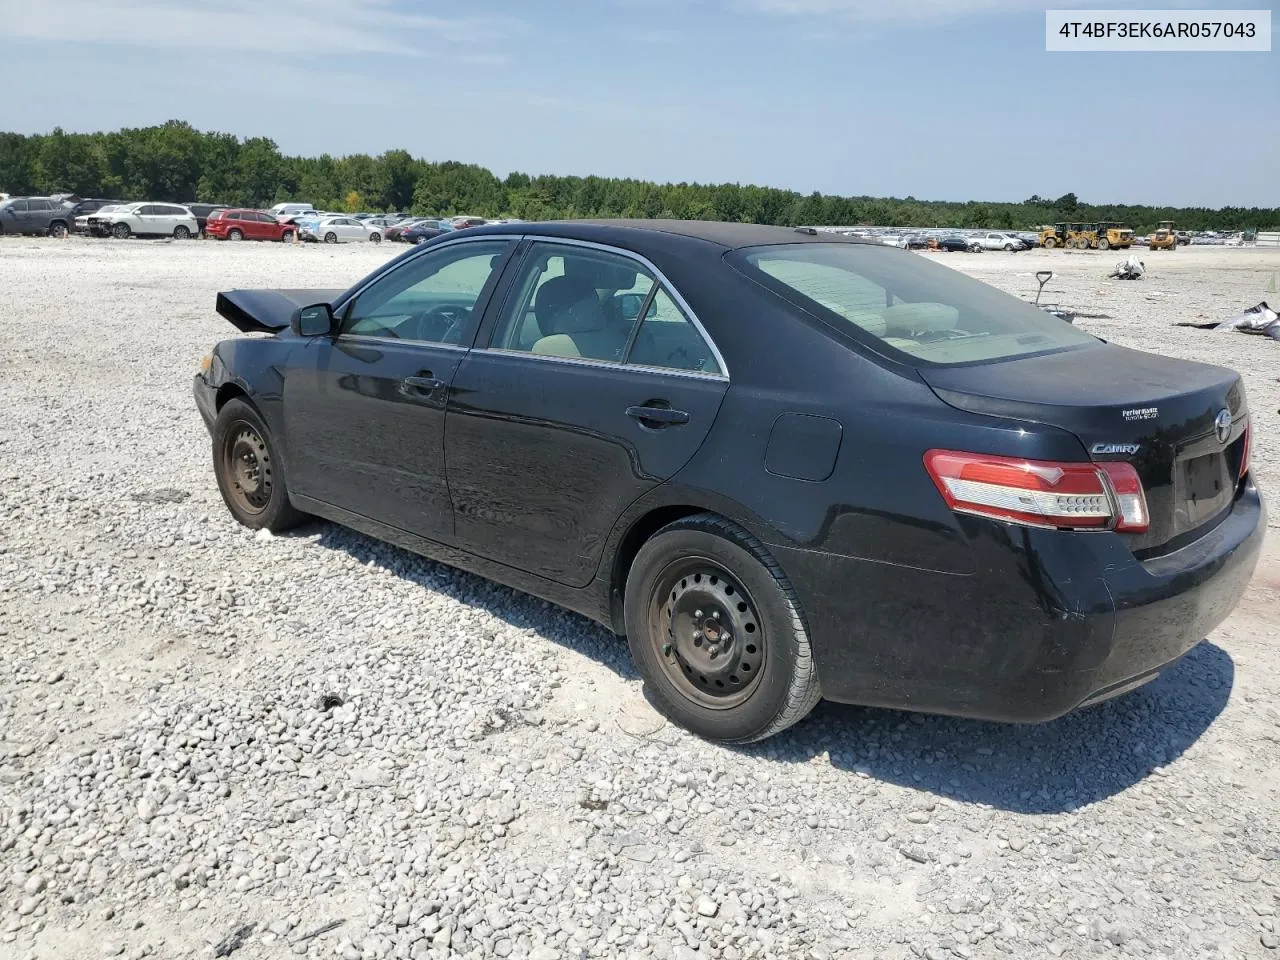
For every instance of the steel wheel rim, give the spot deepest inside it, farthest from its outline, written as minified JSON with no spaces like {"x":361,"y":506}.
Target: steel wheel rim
{"x":246,"y":464}
{"x":706,"y":633}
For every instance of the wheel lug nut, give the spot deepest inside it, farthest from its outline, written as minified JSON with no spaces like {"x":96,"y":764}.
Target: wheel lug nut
{"x":716,"y":614}
{"x":697,"y":613}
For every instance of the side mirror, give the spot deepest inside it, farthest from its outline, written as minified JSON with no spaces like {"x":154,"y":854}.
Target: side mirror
{"x":313,"y":321}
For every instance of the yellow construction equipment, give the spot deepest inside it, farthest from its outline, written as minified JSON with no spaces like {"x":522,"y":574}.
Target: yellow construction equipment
{"x":1082,"y":236}
{"x":1054,"y":236}
{"x":1113,"y":236}
{"x":1164,"y":238}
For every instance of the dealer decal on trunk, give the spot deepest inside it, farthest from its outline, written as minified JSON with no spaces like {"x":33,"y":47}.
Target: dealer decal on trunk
{"x":1141,"y":413}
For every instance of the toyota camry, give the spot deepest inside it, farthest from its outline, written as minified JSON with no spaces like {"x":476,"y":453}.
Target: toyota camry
{"x":786,"y":465}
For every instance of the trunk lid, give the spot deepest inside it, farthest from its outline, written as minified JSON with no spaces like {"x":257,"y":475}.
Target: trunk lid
{"x":268,"y":311}
{"x":1158,"y":413}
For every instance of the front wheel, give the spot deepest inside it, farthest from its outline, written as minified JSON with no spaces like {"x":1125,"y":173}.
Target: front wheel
{"x":1104,"y":244}
{"x":58,"y":230}
{"x":331,"y":237}
{"x":250,"y":473}
{"x":181,"y":233}
{"x":716,"y":632}
{"x":121,"y":231}
{"x":286,"y":237}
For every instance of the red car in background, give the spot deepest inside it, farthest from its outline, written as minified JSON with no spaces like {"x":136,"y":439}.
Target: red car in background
{"x":247,"y":225}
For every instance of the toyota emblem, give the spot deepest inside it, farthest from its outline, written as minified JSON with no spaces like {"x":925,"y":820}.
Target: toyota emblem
{"x":1222,"y":425}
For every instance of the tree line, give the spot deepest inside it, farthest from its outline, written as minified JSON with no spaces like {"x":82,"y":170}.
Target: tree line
{"x":175,"y":162}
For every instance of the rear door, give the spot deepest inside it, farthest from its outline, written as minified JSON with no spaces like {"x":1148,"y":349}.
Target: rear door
{"x":574,"y":408}
{"x":365,"y":409}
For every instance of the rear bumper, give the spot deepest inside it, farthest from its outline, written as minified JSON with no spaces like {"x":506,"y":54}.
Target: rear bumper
{"x":1052,"y":622}
{"x":206,"y":400}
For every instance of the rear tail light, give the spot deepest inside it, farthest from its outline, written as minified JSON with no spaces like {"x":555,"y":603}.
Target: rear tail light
{"x":1041,"y":493}
{"x":1248,"y":442}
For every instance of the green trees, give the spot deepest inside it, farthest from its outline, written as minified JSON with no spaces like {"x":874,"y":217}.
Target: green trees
{"x":176,"y":162}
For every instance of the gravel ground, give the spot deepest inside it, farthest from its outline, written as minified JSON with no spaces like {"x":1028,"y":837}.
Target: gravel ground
{"x":220,"y":744}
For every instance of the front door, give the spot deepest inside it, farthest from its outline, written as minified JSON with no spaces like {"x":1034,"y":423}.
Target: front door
{"x":574,"y":410}
{"x":364,"y":410}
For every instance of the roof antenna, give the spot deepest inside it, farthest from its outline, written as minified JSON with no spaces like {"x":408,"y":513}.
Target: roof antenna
{"x":808,"y":231}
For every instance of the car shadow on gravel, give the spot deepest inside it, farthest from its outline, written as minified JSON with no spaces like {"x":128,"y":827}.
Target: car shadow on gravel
{"x":1053,"y":767}
{"x":1086,"y":756}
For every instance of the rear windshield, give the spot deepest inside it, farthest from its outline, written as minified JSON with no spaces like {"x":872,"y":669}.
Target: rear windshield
{"x":904,"y":305}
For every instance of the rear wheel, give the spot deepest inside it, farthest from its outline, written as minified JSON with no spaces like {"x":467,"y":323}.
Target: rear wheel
{"x":121,"y":231}
{"x":251,"y":476}
{"x":181,"y":233}
{"x":235,"y":235}
{"x":330,"y":237}
{"x":716,"y":631}
{"x":1104,"y":243}
{"x":375,"y":238}
{"x":57,"y":230}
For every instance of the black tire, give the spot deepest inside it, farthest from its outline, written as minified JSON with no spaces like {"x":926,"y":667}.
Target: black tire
{"x":1104,"y":243}
{"x":707,"y":566}
{"x":251,"y":475}
{"x":181,"y":233}
{"x":375,"y":238}
{"x":235,"y":235}
{"x":121,"y":231}
{"x":1009,"y":247}
{"x":286,"y":236}
{"x":57,"y":230}
{"x":330,"y":237}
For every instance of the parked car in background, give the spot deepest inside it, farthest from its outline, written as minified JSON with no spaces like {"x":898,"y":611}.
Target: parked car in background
{"x":202,"y":212}
{"x":956,"y":243}
{"x":998,"y":241}
{"x":396,"y":230}
{"x":461,"y":223}
{"x":291,"y":209}
{"x":343,"y":230}
{"x":87,"y":223}
{"x":30,"y":215}
{"x":149,"y":220}
{"x":239,"y":224}
{"x":424,"y":230}
{"x":64,"y":221}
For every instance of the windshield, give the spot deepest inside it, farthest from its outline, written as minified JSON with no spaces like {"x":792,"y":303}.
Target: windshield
{"x":922,"y":312}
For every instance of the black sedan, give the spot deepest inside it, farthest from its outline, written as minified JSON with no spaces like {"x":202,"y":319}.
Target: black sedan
{"x":786,"y":465}
{"x":957,"y":244}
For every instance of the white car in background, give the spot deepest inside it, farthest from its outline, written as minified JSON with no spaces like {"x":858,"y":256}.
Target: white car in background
{"x":1000,"y":241}
{"x":82,"y":224}
{"x":149,"y":220}
{"x":342,"y":230}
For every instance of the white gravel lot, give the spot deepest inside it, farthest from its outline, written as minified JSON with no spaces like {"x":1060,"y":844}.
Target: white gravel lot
{"x":214,"y":743}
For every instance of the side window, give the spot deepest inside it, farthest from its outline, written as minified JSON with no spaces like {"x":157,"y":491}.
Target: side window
{"x":573,"y":302}
{"x":149,"y":210}
{"x":669,"y":340}
{"x":431,"y":298}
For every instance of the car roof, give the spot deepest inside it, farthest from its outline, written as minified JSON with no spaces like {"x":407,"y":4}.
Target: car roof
{"x":730,"y":236}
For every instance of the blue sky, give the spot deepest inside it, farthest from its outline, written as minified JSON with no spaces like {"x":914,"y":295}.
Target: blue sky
{"x":937,"y":99}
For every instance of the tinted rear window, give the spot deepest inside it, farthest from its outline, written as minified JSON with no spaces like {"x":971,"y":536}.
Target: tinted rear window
{"x":904,"y":305}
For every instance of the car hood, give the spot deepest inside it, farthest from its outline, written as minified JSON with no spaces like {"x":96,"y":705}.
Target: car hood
{"x":268,"y":311}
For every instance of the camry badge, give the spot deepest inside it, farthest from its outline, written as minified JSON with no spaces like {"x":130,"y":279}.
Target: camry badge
{"x":1104,"y":449}
{"x":1222,"y":425}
